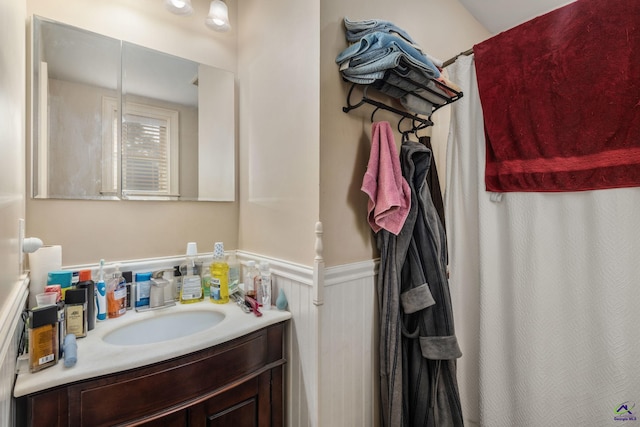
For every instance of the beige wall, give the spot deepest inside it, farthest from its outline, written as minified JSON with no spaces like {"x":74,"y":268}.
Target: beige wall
{"x":443,"y":29}
{"x":278,"y":69}
{"x":301,"y":159}
{"x":90,"y":230}
{"x":12,"y":136}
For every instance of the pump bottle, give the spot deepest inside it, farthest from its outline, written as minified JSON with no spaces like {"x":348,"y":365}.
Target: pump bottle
{"x":191,"y":290}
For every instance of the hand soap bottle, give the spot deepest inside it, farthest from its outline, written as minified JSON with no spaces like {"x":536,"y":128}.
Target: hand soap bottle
{"x":116,"y":295}
{"x":191,"y":290}
{"x":219,"y":276}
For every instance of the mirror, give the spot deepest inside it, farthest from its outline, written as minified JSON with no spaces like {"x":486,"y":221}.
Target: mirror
{"x":114,"y":120}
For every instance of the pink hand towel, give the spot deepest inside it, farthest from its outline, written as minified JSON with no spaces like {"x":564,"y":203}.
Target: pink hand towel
{"x":388,"y":191}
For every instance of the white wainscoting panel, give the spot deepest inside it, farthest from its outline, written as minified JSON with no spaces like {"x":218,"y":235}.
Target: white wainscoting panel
{"x":349,"y":387}
{"x":301,"y":393}
{"x":332,"y":371}
{"x":10,"y":329}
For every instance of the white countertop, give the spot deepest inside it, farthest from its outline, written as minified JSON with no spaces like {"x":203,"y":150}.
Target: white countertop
{"x":96,"y":357}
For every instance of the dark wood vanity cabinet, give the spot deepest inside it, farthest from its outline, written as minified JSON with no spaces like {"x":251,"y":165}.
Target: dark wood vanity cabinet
{"x":237,"y":384}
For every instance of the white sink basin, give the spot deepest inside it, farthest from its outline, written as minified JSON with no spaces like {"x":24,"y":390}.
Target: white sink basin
{"x":165,"y":327}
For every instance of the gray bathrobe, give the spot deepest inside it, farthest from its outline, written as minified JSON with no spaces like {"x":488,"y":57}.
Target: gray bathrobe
{"x":418,"y":347}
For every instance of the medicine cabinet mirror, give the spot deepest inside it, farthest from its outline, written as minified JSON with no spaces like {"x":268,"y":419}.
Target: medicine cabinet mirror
{"x":113,"y":120}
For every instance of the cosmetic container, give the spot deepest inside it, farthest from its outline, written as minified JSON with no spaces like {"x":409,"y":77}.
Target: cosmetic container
{"x":128,"y":278}
{"x":44,"y":344}
{"x":62,"y":278}
{"x":143,"y":289}
{"x":75,"y":312}
{"x":90,"y":287}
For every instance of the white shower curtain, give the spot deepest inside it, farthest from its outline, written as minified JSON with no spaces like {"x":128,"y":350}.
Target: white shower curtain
{"x":546,"y":291}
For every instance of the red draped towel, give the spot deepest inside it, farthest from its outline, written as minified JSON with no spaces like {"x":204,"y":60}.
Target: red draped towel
{"x":561,"y":99}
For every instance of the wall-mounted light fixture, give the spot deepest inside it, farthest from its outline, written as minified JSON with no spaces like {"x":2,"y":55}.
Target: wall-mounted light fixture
{"x":179,"y":7}
{"x":218,"y":18}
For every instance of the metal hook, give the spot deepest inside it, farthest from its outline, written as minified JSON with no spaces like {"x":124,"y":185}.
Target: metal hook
{"x":374,"y":113}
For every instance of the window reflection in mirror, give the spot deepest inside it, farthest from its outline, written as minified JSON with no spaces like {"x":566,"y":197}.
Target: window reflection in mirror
{"x":161,"y":129}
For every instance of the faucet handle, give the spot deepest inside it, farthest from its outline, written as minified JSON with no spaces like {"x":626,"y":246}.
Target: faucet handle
{"x":160,"y":274}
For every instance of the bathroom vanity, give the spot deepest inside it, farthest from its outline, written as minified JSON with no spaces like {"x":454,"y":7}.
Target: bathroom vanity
{"x":223,"y":378}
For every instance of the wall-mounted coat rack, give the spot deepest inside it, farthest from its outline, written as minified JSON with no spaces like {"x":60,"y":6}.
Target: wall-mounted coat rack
{"x":380,"y":105}
{"x":432,"y":94}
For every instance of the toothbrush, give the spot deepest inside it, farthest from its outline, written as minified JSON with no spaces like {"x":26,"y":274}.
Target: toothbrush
{"x":101,"y":294}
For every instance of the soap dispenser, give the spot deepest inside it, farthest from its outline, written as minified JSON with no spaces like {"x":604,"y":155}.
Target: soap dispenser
{"x":191,"y":290}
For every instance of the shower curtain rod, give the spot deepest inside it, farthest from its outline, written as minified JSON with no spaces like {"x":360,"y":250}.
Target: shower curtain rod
{"x":452,"y":60}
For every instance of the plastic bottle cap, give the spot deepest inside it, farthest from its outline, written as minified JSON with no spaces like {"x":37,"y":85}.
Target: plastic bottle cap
{"x":192,"y":249}
{"x":61,"y":277}
{"x":143,"y":277}
{"x":85,"y":275}
{"x":76,"y":296}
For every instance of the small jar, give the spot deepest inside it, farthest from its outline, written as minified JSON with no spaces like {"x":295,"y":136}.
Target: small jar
{"x":75,"y":306}
{"x":44,"y":346}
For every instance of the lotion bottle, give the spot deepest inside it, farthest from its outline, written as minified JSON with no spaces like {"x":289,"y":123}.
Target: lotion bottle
{"x":75,"y":313}
{"x":191,"y":290}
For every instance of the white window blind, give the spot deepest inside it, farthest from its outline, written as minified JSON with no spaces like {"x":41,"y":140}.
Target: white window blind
{"x":145,"y":155}
{"x":149,"y":152}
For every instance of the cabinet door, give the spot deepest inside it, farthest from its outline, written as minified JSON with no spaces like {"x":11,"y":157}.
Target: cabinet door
{"x":247,"y":404}
{"x":176,"y":419}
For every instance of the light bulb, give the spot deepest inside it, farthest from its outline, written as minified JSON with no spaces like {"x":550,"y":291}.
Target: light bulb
{"x":218,"y":18}
{"x":179,"y":7}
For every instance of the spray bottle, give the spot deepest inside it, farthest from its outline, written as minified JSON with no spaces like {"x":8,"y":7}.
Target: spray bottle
{"x":101,"y":294}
